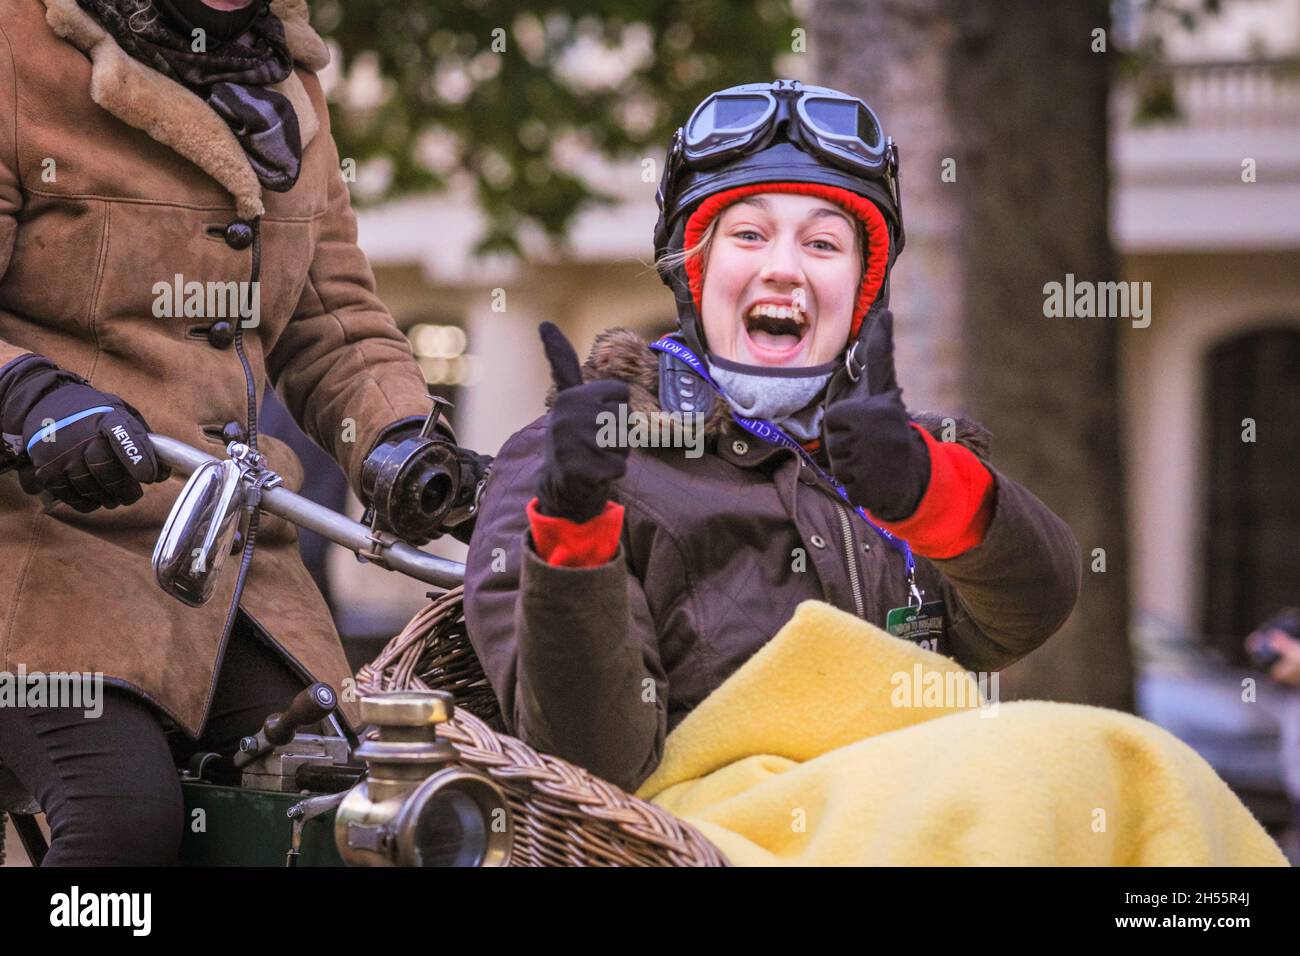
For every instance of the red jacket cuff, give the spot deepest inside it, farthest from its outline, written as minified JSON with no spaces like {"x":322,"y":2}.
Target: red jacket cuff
{"x":570,"y":544}
{"x":957,"y":506}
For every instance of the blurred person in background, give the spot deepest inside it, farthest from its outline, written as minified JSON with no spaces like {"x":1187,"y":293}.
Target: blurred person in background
{"x":1275,"y":646}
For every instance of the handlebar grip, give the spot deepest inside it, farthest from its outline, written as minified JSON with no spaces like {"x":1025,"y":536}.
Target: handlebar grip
{"x":309,"y":705}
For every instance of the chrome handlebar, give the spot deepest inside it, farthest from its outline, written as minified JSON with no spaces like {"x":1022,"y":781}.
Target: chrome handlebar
{"x":377,"y":547}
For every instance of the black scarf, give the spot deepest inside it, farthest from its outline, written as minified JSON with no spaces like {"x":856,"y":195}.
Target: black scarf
{"x":232,"y":75}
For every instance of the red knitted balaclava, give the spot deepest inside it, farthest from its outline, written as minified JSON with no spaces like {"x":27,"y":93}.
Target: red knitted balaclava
{"x":877,"y":254}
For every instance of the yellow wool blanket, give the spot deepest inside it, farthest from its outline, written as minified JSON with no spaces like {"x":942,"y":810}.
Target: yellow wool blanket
{"x":838,"y":744}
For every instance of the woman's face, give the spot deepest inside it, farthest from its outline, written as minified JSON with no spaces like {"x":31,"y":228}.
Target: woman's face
{"x":781,"y":279}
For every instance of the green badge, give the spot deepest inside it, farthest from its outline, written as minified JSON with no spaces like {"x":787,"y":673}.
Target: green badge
{"x":923,"y":626}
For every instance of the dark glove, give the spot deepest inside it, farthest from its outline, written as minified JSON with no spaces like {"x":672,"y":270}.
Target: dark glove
{"x":88,"y":448}
{"x":398,"y":432}
{"x":578,"y":473}
{"x":882,"y":461}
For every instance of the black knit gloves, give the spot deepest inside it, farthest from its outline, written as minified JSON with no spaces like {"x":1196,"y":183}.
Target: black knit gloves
{"x":578,"y":472}
{"x":881,"y":460}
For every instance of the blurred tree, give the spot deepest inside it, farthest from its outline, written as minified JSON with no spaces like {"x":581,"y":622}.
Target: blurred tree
{"x":496,"y":88}
{"x":1142,"y":62}
{"x":1000,"y":111}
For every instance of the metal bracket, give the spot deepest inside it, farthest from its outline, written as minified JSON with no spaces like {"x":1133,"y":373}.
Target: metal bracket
{"x":369,"y":836}
{"x":254,"y":466}
{"x":478,"y":491}
{"x":303,"y":811}
{"x":383,"y":540}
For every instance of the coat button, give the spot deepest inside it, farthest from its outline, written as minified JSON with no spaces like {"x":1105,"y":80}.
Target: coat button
{"x":740,"y":447}
{"x":239,"y":235}
{"x":817,"y":541}
{"x":233,"y":431}
{"x":866,"y":545}
{"x":221,"y":334}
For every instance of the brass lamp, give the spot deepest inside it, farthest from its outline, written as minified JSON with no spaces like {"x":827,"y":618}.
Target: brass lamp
{"x":416,"y":807}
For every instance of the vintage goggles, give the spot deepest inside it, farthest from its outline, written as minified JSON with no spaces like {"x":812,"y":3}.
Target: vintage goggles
{"x":839,"y":127}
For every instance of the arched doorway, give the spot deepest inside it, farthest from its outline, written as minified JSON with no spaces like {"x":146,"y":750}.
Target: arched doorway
{"x":1252,"y":532}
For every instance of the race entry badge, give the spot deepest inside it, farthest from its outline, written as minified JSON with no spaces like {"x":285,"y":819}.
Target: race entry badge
{"x":923,"y":626}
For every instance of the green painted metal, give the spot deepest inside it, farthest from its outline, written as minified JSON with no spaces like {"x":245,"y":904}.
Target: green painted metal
{"x":241,"y":827}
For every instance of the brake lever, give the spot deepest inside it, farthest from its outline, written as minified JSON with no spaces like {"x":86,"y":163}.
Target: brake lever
{"x":311,"y":705}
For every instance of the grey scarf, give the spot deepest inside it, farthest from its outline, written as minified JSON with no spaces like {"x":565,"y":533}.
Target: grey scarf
{"x":786,"y":397}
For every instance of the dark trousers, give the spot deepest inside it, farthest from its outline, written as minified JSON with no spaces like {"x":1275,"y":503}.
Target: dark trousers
{"x":108,"y":785}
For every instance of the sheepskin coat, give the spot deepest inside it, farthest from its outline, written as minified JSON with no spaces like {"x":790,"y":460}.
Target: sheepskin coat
{"x":113,"y":179}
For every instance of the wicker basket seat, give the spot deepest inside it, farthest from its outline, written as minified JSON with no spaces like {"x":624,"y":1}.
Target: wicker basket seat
{"x":562,"y":814}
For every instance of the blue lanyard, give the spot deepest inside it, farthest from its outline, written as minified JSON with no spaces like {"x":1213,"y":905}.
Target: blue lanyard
{"x":761,"y":428}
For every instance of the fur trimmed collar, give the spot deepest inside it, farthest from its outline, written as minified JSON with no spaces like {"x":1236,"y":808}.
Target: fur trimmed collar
{"x":622,"y":354}
{"x":175,"y":116}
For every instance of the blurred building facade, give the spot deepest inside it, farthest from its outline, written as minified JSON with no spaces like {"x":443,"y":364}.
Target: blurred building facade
{"x":1206,"y":207}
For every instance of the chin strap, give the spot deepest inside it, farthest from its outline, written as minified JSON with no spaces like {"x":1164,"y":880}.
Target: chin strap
{"x":680,"y":388}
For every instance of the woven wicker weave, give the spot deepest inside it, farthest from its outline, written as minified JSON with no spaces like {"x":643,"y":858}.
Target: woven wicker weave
{"x":563,"y":815}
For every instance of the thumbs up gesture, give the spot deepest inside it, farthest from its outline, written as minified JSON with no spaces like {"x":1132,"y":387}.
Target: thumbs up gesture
{"x":578,"y":471}
{"x":877,"y":455}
